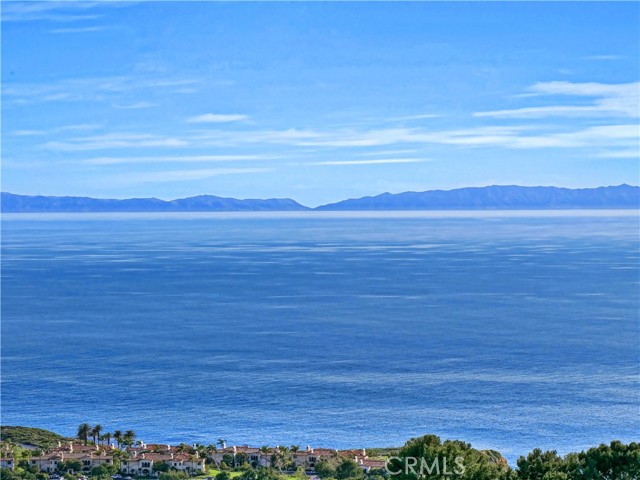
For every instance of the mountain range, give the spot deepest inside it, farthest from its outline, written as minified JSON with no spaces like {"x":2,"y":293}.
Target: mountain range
{"x":510,"y":197}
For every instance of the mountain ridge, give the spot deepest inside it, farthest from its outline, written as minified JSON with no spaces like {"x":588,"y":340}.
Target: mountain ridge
{"x":493,"y":197}
{"x":497,"y":197}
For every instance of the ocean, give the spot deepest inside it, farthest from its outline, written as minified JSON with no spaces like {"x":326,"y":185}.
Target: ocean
{"x":508,"y":330}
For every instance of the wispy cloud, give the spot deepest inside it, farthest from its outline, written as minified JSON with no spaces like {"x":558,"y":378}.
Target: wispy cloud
{"x":28,"y":133}
{"x":112,"y":88}
{"x":114,"y":140}
{"x":135,"y":106}
{"x":610,"y":100}
{"x":181,"y":175}
{"x":61,"y":129}
{"x":504,"y":136}
{"x":422,"y":116}
{"x":175,"y":159}
{"x":623,"y":153}
{"x":604,"y":57}
{"x":55,"y":11}
{"x":381,"y":161}
{"x":216,"y":118}
{"x":79,"y":29}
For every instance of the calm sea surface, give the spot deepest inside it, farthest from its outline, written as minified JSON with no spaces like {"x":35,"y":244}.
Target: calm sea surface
{"x":508,"y":331}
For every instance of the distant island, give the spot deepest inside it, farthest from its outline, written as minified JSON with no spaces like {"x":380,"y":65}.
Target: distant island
{"x":511,"y":197}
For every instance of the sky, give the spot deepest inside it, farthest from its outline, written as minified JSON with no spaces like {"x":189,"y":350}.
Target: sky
{"x":316,"y":101}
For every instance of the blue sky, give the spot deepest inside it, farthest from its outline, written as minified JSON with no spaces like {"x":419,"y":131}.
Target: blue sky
{"x":316,"y":101}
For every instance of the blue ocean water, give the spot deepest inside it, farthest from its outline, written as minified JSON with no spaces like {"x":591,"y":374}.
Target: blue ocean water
{"x":506,"y":330}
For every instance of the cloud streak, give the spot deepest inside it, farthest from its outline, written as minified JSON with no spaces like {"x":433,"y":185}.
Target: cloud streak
{"x":79,"y":29}
{"x":174,"y":159}
{"x":381,"y":161}
{"x":610,"y":100}
{"x":216,"y":118}
{"x":114,"y":140}
{"x":110,"y":88}
{"x":54,"y":11}
{"x":181,"y":175}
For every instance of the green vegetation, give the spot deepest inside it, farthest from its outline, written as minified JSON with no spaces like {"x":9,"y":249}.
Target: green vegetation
{"x":429,"y":458}
{"x":173,"y":476}
{"x":32,"y":436}
{"x":616,"y":461}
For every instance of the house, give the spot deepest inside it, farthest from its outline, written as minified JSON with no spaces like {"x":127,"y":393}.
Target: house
{"x":310,"y":456}
{"x":7,"y":460}
{"x":368,"y":464}
{"x":90,"y":456}
{"x":254,"y":456}
{"x":142,"y":463}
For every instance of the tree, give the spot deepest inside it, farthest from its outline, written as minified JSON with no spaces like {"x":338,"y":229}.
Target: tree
{"x":183,"y":447}
{"x":349,"y":469}
{"x":173,"y":476}
{"x":268,"y":474}
{"x":69,"y":465}
{"x":222,"y":442}
{"x":223,"y":475}
{"x":118,"y":437}
{"x":429,"y":458}
{"x":103,"y":470}
{"x":616,"y":460}
{"x":227,"y":461}
{"x":84,"y":430}
{"x":129,"y":437}
{"x":241,"y":459}
{"x":161,"y":466}
{"x":324,"y":469}
{"x":539,"y":465}
{"x":95,"y":433}
{"x":249,"y":475}
{"x":107,"y":438}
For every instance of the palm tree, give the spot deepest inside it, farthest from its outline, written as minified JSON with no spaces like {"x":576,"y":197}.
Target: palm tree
{"x":265,"y":450}
{"x":84,"y":430}
{"x":294,"y":448}
{"x":222,"y":442}
{"x":95,"y":433}
{"x":107,"y":438}
{"x":211,"y":449}
{"x":129,"y":437}
{"x":117,"y":436}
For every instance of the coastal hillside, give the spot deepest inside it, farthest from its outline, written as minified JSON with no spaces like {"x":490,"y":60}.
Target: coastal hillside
{"x":12,"y":203}
{"x":111,"y":455}
{"x":510,"y":197}
{"x":30,"y":436}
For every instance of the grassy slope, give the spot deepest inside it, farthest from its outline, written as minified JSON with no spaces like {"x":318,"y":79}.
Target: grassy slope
{"x":32,"y":436}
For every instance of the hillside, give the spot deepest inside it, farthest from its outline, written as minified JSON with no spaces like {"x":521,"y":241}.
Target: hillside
{"x":32,"y":436}
{"x":12,"y":203}
{"x":498,"y":198}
